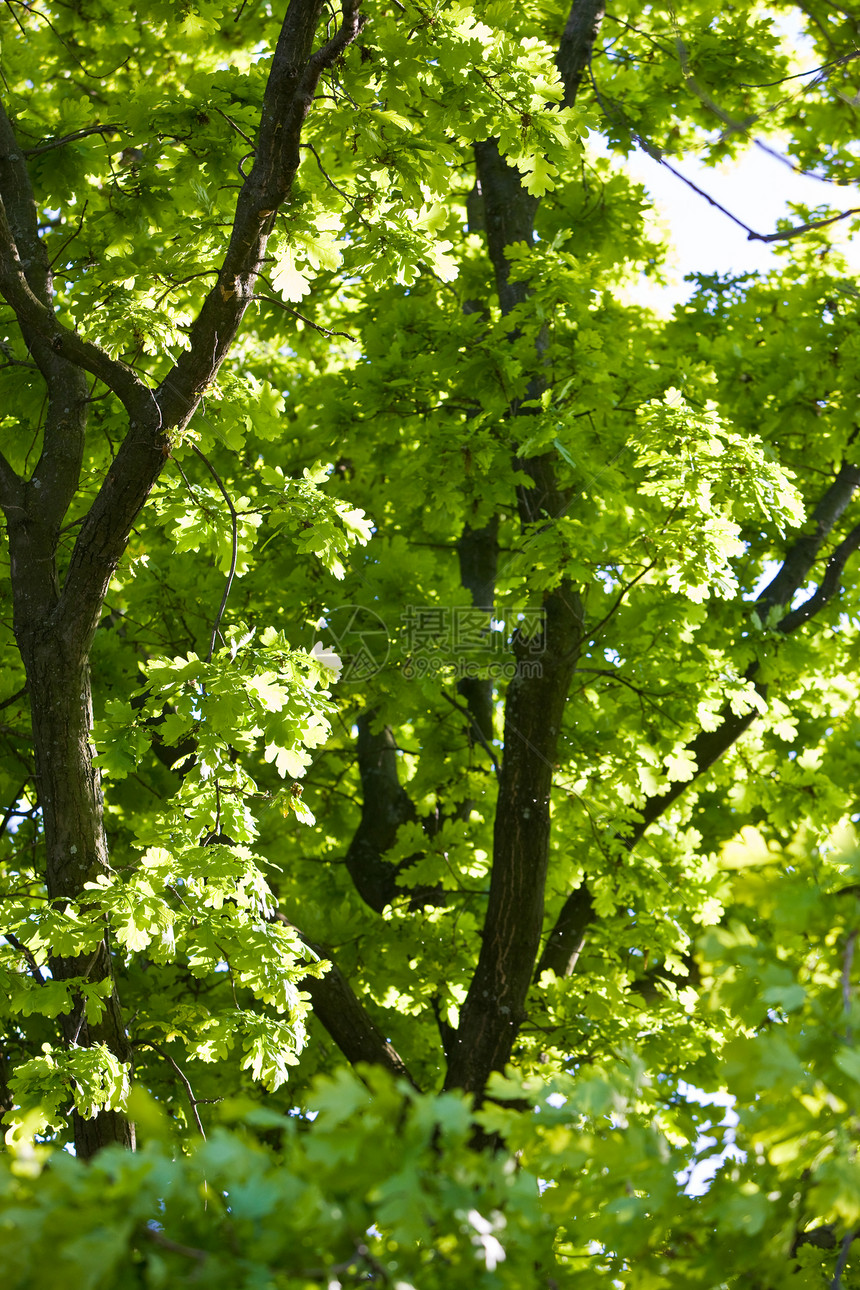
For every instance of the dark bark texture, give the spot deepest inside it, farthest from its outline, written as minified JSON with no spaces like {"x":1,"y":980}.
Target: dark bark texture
{"x":55,"y":618}
{"x":494,"y":1008}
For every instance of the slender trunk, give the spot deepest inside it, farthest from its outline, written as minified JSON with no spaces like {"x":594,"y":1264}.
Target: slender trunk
{"x":494,"y":1008}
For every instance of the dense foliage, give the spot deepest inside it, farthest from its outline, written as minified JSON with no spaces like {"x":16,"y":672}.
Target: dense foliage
{"x":428,"y":714}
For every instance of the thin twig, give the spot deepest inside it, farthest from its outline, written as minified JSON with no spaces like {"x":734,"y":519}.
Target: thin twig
{"x":82,"y":1017}
{"x":476,"y":730}
{"x":782,"y":235}
{"x":844,"y":1251}
{"x":847,"y":961}
{"x":239,"y":131}
{"x":204,"y":273}
{"x":595,"y":630}
{"x":786,"y":161}
{"x":338,"y":1269}
{"x":71,"y":138}
{"x":188,"y":1251}
{"x":212,"y":515}
{"x":28,"y":954}
{"x":765,"y":85}
{"x":186,"y":1082}
{"x":13,"y":698}
{"x":16,"y":362}
{"x":38,"y":14}
{"x":234,"y":519}
{"x":72,"y":236}
{"x":326,"y":176}
{"x":12,"y":812}
{"x":615,"y":675}
{"x":324,"y":331}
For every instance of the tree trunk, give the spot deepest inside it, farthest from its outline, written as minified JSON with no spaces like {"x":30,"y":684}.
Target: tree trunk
{"x":68,"y":785}
{"x":76,"y":848}
{"x":494,"y":1008}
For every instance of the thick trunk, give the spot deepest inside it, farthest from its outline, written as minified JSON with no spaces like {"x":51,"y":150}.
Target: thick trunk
{"x":509,"y":213}
{"x":76,"y":851}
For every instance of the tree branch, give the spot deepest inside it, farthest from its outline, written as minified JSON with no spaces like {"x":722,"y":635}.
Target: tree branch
{"x":27,"y":953}
{"x":189,"y":1091}
{"x":616,"y":113}
{"x":796,"y":566}
{"x":574,"y":52}
{"x":567,"y":938}
{"x":827,"y":589}
{"x":339,"y":1009}
{"x":564,"y":941}
{"x":385,"y":806}
{"x":174,"y":1247}
{"x":494,"y":1007}
{"x":234,"y":549}
{"x":50,"y":144}
{"x":26,"y":283}
{"x":39,"y":323}
{"x":842,"y":1261}
{"x":25,"y":276}
{"x":477,"y":553}
{"x":153,"y":415}
{"x":54,"y":628}
{"x":287,"y":100}
{"x":474,"y":729}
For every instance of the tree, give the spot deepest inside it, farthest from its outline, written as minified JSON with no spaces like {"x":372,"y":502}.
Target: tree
{"x":428,"y":676}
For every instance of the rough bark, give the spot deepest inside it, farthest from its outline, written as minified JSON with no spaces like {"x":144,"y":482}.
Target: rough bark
{"x":477,"y":551}
{"x":58,"y":684}
{"x":70,"y":796}
{"x":574,"y":52}
{"x":509,"y":213}
{"x":494,"y":1008}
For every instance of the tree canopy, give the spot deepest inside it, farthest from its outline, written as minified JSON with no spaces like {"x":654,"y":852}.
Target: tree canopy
{"x":428,"y":714}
